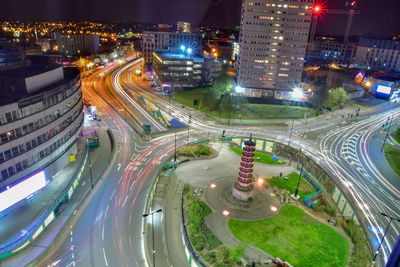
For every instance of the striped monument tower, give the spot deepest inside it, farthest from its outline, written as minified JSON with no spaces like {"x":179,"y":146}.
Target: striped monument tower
{"x":243,"y":189}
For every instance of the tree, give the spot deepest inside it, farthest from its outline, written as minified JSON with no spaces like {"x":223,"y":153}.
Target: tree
{"x":236,"y":254}
{"x":336,"y":96}
{"x":223,"y":253}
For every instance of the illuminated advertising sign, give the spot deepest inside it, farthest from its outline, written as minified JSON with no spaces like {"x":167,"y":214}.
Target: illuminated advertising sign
{"x":22,"y":190}
{"x":383,"y":89}
{"x":38,"y":231}
{"x":49,"y":219}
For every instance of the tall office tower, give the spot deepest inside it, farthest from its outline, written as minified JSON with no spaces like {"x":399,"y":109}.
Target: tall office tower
{"x":272,"y":41}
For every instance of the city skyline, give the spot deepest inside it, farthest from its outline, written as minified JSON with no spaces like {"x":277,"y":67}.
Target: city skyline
{"x":198,"y":12}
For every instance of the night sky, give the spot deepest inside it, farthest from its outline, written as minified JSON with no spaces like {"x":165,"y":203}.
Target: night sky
{"x":377,"y":16}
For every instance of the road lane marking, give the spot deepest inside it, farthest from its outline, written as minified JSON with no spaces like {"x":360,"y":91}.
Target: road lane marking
{"x":119,"y":166}
{"x":105,"y":214}
{"x":112,"y":194}
{"x":120,"y":179}
{"x":133,"y":155}
{"x":102,"y":234}
{"x":71,"y":232}
{"x":72,"y":263}
{"x":105,"y":258}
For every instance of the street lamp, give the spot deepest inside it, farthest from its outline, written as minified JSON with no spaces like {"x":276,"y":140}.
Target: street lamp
{"x":152,"y":231}
{"x":384,"y":234}
{"x":189,"y":51}
{"x":183,"y":48}
{"x":90,"y":162}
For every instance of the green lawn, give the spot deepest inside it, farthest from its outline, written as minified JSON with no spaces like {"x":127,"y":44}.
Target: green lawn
{"x":397,"y":138}
{"x":291,"y":184}
{"x":279,"y":111}
{"x":295,"y":237}
{"x":392,"y":155}
{"x":264,"y":158}
{"x":246,"y":111}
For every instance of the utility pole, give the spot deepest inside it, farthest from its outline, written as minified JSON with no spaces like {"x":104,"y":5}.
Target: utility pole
{"x":384,"y":234}
{"x":190,"y":120}
{"x":298,"y":182}
{"x":152,"y":232}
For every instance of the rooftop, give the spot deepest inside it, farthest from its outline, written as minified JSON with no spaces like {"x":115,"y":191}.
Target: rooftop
{"x":174,"y":55}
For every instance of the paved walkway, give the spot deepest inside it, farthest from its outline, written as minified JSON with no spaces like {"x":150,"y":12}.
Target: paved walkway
{"x":223,"y":171}
{"x":100,"y":157}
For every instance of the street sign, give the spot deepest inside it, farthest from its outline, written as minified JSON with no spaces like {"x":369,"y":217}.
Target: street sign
{"x":72,"y":158}
{"x":146,"y":129}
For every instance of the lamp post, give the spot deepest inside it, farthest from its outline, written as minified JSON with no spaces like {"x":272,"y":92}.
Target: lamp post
{"x":90,"y":163}
{"x":175,"y":148}
{"x":384,"y":234}
{"x":152,"y":231}
{"x":387,"y":133}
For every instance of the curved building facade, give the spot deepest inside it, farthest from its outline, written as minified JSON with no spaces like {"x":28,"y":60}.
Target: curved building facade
{"x":38,"y":129}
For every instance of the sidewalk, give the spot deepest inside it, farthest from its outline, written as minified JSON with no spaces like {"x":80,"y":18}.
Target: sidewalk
{"x":23,"y":216}
{"x":101,"y":157}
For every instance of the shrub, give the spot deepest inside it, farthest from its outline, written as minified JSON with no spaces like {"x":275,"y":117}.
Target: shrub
{"x":198,"y":242}
{"x":236,"y":254}
{"x":188,"y":151}
{"x":361,"y":254}
{"x":223,"y":252}
{"x":210,"y":257}
{"x":194,"y":229}
{"x":325,"y":208}
{"x":203,"y":150}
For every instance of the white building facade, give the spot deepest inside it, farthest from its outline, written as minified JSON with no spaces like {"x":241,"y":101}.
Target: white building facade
{"x":38,"y":132}
{"x":273,"y":41}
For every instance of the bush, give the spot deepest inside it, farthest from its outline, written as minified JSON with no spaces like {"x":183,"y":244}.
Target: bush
{"x":194,"y":229}
{"x":203,"y":150}
{"x":210,"y":257}
{"x":236,"y":254}
{"x":223,"y":252}
{"x":325,"y":208}
{"x":361,"y":254}
{"x":188,"y":151}
{"x":198,"y":242}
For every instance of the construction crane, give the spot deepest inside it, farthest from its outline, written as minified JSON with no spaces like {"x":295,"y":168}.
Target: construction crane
{"x":318,"y":10}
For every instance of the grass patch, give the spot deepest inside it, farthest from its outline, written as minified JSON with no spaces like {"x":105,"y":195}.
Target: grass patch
{"x":397,"y":138}
{"x":392,"y":155}
{"x":264,"y":158}
{"x":294,"y":237}
{"x":266,"y":111}
{"x":291,"y":184}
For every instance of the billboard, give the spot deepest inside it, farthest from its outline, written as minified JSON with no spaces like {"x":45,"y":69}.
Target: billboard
{"x":22,"y":190}
{"x":383,"y":89}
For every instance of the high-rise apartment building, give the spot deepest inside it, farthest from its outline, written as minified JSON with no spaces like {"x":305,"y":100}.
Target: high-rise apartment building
{"x":163,"y":40}
{"x":83,"y":44}
{"x":273,"y":40}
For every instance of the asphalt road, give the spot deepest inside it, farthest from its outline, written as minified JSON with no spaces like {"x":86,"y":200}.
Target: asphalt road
{"x":108,"y":230}
{"x":342,"y":151}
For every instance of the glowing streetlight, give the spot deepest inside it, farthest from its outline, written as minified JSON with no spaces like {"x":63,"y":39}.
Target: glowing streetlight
{"x":225,"y":212}
{"x":260,"y":181}
{"x":189,"y":50}
{"x":212,"y":186}
{"x":183,"y":48}
{"x":273,"y":208}
{"x":368,"y":84}
{"x":297,"y":93}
